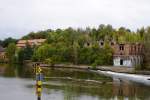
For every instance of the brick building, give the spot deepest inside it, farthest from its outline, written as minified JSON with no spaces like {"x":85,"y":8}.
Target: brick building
{"x":128,"y":54}
{"x":36,"y":42}
{"x":125,"y":54}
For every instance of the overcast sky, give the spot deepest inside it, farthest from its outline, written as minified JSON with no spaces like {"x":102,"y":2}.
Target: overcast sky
{"x":19,"y":17}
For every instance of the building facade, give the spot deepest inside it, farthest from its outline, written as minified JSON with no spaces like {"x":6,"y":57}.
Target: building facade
{"x":33,"y":42}
{"x":125,"y":54}
{"x":2,"y":54}
{"x":129,"y":55}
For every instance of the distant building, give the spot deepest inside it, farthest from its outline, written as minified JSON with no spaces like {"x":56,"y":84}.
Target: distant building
{"x":33,"y":42}
{"x":128,"y":54}
{"x":101,"y":43}
{"x":2,"y":53}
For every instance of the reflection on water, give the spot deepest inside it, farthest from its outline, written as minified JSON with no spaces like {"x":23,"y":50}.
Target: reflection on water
{"x":17,"y":71}
{"x":58,"y":86}
{"x":114,"y":91}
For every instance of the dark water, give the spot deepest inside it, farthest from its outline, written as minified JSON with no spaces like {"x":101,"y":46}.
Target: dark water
{"x":61,"y":84}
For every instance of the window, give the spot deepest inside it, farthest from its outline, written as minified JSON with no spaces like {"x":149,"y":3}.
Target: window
{"x":112,"y":43}
{"x":102,"y":43}
{"x":121,"y":62}
{"x":121,"y":47}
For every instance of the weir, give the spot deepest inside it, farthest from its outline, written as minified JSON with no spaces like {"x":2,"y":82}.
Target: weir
{"x":143,"y":79}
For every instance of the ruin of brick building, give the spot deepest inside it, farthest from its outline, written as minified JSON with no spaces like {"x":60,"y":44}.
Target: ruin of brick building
{"x":129,"y":54}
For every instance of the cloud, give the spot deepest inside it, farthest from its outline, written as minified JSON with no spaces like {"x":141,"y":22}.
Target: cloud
{"x":19,"y":17}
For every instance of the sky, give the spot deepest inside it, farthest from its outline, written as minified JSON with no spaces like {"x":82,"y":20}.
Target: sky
{"x":19,"y":17}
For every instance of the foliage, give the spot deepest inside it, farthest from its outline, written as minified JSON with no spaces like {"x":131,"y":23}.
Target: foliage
{"x":80,"y":46}
{"x":11,"y":52}
{"x":24,"y":54}
{"x":147,"y":48}
{"x":49,"y":61}
{"x":37,"y":35}
{"x":42,"y":53}
{"x":7,"y":41}
{"x":20,"y":53}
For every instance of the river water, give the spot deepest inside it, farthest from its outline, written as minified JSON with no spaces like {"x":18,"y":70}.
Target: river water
{"x":63,"y":84}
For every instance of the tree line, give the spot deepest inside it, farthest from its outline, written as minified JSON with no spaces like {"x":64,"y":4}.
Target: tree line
{"x":78,"y":46}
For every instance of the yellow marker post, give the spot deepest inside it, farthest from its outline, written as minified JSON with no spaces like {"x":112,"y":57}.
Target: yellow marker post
{"x":39,"y":89}
{"x":38,"y":71}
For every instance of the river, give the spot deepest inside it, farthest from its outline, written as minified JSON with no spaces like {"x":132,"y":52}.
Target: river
{"x":64,"y":84}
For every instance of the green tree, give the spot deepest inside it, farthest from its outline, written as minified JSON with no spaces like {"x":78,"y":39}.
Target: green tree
{"x":7,"y":41}
{"x":28,"y":52}
{"x":24,"y":53}
{"x":41,"y":53}
{"x":20,"y":57}
{"x":11,"y":52}
{"x":80,"y":46}
{"x":147,"y":49}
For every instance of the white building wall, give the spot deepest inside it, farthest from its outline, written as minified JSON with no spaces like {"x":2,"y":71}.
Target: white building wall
{"x":127,"y":63}
{"x":116,"y":62}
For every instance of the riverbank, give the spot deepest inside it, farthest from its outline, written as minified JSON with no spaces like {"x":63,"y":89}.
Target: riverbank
{"x":119,"y":73}
{"x":85,"y":67}
{"x":123,"y":69}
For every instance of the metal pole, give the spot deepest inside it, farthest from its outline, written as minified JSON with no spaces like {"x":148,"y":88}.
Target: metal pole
{"x":38,"y":81}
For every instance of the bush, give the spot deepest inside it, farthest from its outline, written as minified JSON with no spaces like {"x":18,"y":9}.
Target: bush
{"x":49,"y":61}
{"x":94,"y":65}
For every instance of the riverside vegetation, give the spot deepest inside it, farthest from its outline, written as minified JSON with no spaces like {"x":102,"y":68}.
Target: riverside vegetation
{"x":77,"y":46}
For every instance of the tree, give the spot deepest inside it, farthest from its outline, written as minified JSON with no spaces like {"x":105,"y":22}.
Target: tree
{"x":55,"y":59}
{"x":37,"y":35}
{"x":141,"y":31}
{"x":24,"y":54}
{"x":1,"y":42}
{"x":7,"y":41}
{"x":11,"y":52}
{"x":28,"y":52}
{"x":20,"y":57}
{"x":147,"y":49}
{"x":41,"y":53}
{"x":80,"y":46}
{"x":107,"y":54}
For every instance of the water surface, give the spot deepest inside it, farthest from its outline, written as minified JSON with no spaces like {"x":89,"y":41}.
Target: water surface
{"x":61,"y":84}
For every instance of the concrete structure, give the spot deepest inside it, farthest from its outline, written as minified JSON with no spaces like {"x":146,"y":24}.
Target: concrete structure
{"x":129,"y":55}
{"x":33,"y":42}
{"x":142,"y":79}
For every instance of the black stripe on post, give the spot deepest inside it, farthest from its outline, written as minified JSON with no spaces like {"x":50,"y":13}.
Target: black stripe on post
{"x":39,"y":98}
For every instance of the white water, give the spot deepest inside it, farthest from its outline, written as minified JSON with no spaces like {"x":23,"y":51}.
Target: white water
{"x":143,"y":79}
